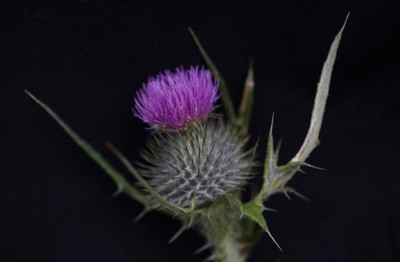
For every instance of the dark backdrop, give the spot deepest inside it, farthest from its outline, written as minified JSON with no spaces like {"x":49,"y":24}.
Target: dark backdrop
{"x":87,"y":58}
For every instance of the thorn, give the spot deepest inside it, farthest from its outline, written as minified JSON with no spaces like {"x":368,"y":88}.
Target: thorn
{"x":315,"y":167}
{"x":273,"y":239}
{"x":177,"y":234}
{"x":210,"y":258}
{"x":191,"y":220}
{"x":300,"y":170}
{"x":118,"y":191}
{"x":34,"y":98}
{"x":296,"y":193}
{"x":203,"y":248}
{"x":141,"y":215}
{"x":191,"y":32}
{"x":278,"y":147}
{"x":286,"y":194}
{"x":29,"y":93}
{"x":270,"y":209}
{"x":272,"y":123}
{"x":345,"y":21}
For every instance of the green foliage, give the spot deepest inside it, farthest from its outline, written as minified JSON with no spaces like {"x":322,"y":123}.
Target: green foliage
{"x":312,"y":138}
{"x":122,"y":185}
{"x":276,"y":177}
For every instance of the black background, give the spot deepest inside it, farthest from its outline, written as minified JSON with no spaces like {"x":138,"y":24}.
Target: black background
{"x":86,"y":59}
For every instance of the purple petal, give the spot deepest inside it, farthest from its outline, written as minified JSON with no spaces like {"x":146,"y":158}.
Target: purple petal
{"x":171,"y":100}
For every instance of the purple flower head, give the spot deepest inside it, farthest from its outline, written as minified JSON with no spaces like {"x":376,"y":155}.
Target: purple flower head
{"x":171,"y":100}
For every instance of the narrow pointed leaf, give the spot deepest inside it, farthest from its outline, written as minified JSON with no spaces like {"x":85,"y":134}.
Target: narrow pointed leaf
{"x":163,"y":202}
{"x":226,"y":98}
{"x":246,"y":105}
{"x":312,"y":138}
{"x":122,"y":184}
{"x":269,"y":166}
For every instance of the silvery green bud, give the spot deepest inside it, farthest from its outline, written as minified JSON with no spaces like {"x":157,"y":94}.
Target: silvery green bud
{"x":197,"y":165}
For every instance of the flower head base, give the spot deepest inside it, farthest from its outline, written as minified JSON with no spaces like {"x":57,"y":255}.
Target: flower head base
{"x":198,"y":165}
{"x":171,"y":100}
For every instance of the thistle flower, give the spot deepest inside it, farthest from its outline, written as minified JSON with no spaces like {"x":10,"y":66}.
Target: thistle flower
{"x":197,"y":165}
{"x":171,"y":100}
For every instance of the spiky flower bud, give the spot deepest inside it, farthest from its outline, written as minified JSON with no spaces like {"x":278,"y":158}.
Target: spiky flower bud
{"x":171,"y":100}
{"x":197,"y":165}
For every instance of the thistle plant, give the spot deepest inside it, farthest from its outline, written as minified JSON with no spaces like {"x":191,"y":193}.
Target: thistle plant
{"x":196,"y":164}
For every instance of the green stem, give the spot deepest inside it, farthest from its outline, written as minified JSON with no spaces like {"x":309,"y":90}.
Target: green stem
{"x":231,"y":250}
{"x":221,"y":226}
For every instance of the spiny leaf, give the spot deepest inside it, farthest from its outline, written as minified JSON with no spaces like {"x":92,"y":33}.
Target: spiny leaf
{"x":269,"y":176}
{"x":246,"y":105}
{"x":122,"y":184}
{"x":312,"y":140}
{"x":254,"y":211}
{"x":163,"y":202}
{"x":284,"y":173}
{"x":275,"y":178}
{"x":226,"y":98}
{"x":270,"y":163}
{"x":269,"y":166}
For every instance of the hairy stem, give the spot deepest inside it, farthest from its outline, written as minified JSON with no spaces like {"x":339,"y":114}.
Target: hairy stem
{"x":231,"y":250}
{"x":226,"y":247}
{"x":221,"y":226}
